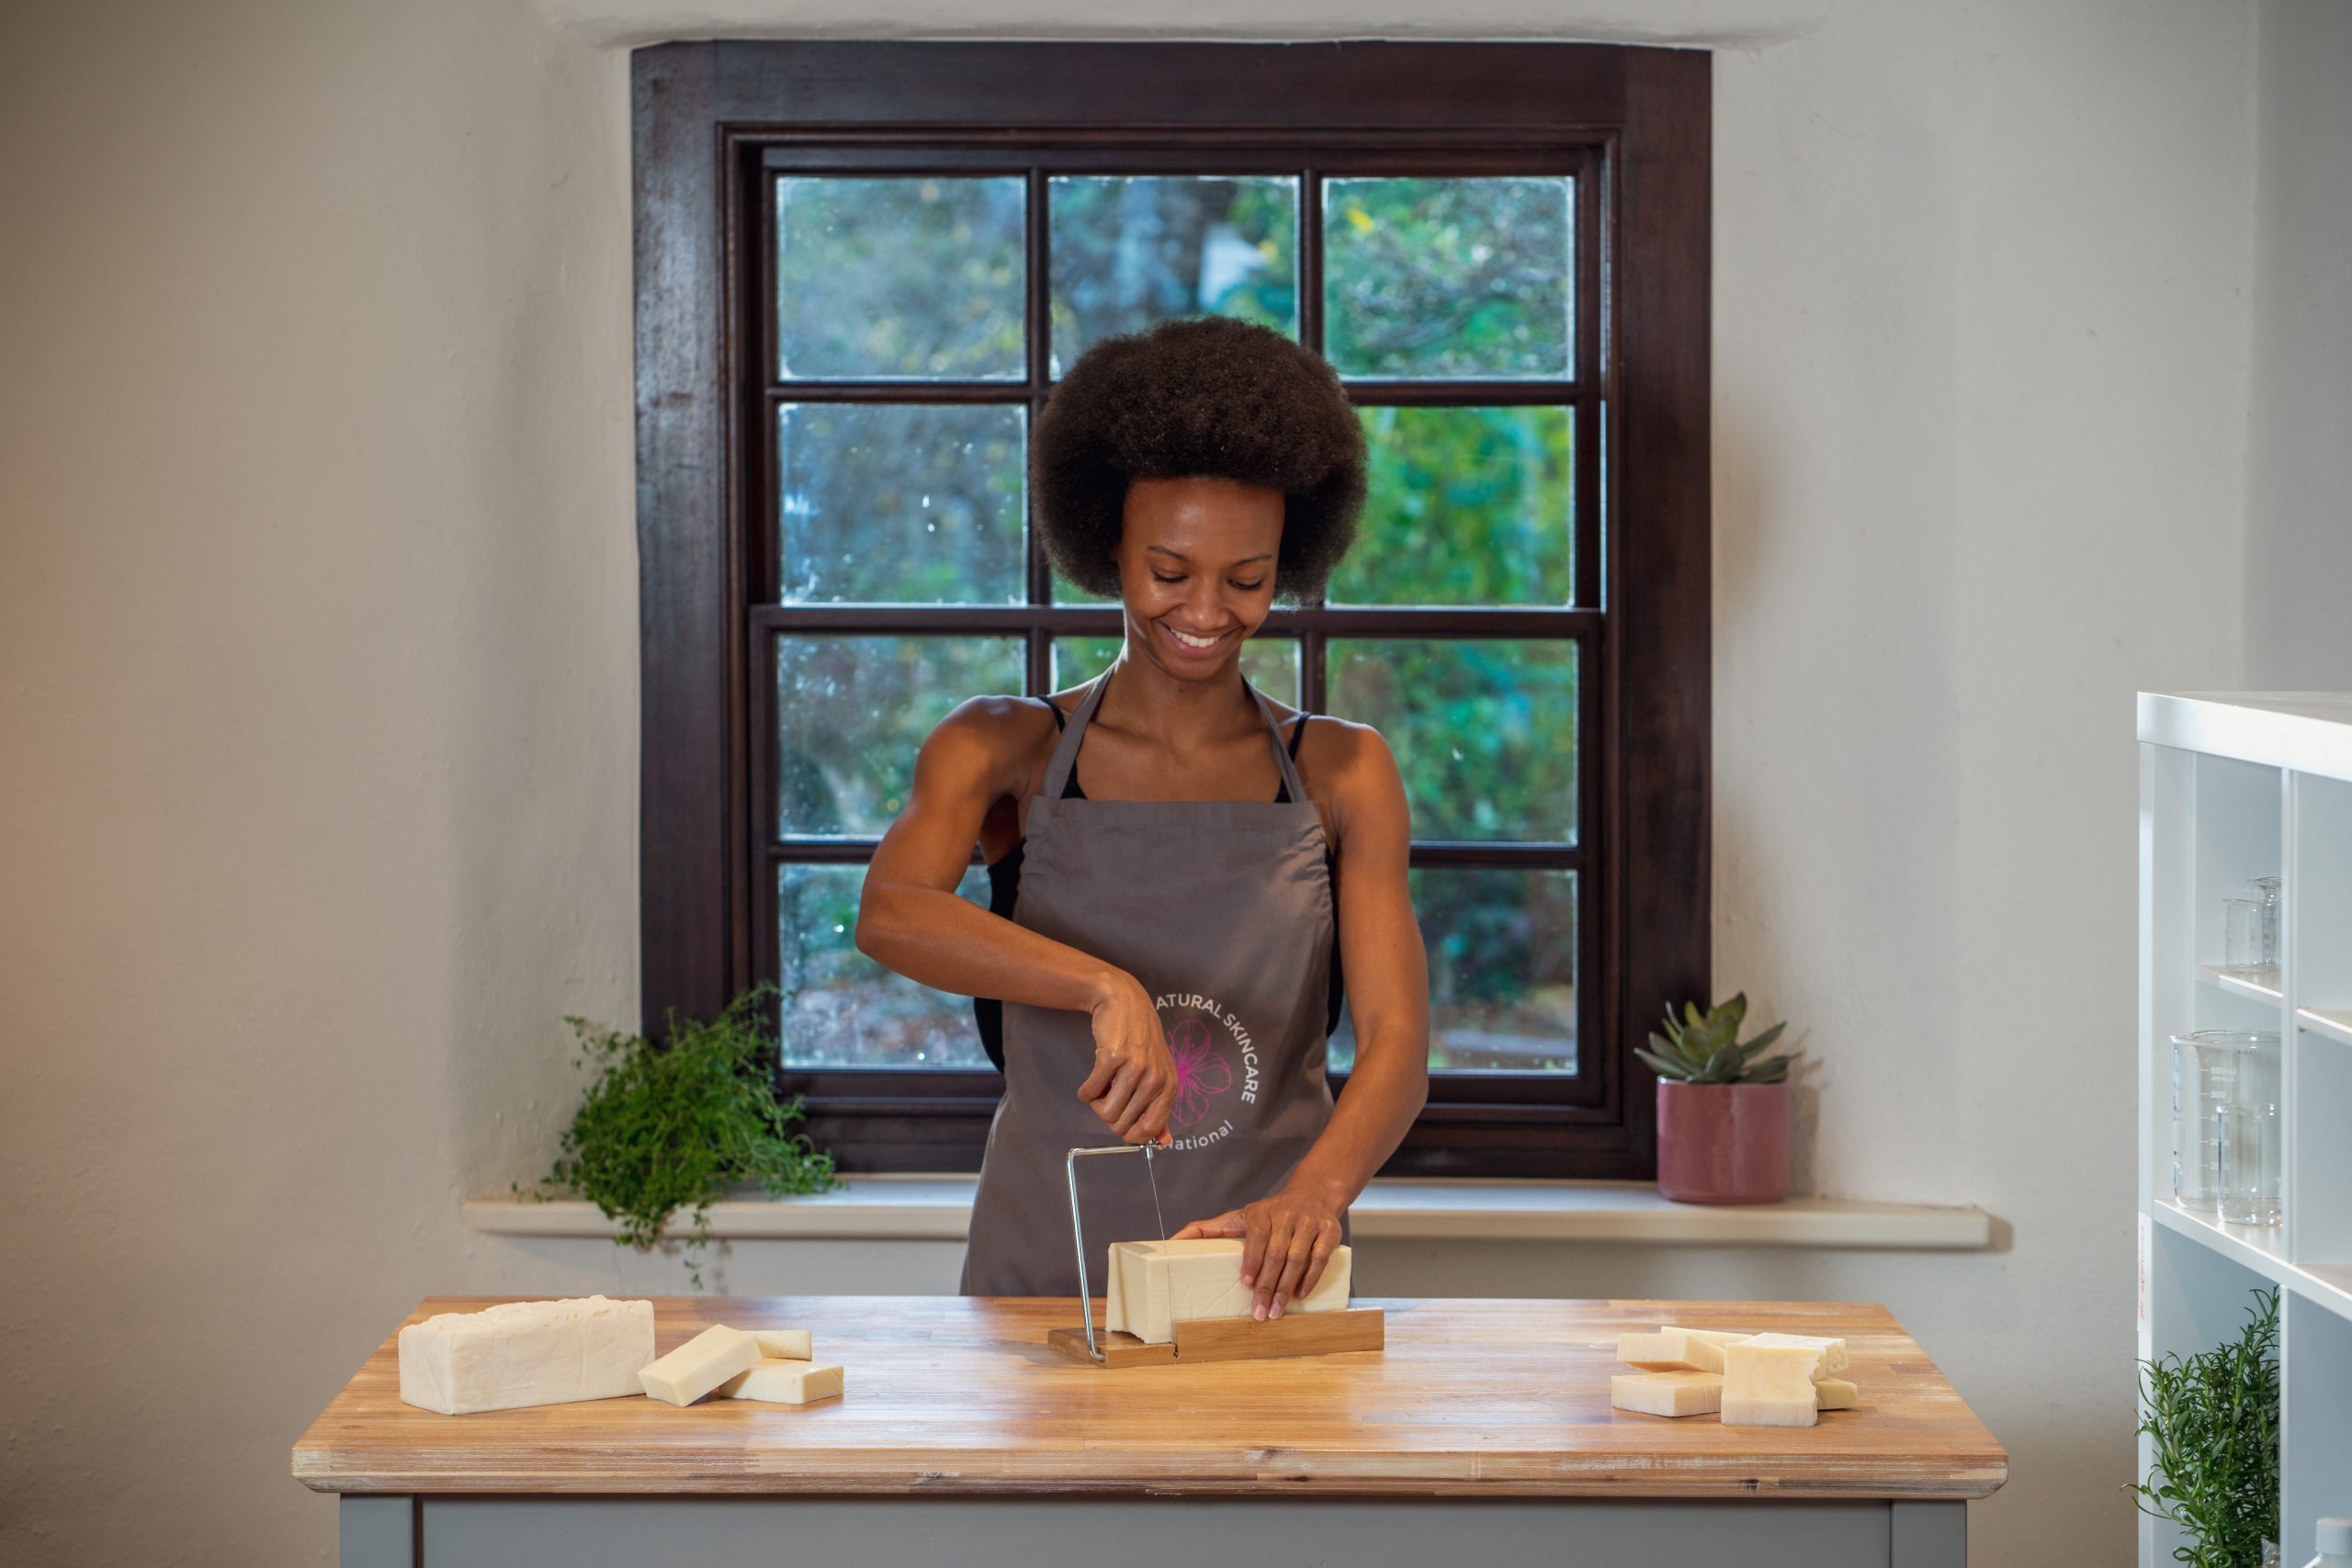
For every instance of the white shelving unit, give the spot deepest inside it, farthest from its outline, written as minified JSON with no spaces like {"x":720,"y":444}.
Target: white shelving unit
{"x":2232,"y":787}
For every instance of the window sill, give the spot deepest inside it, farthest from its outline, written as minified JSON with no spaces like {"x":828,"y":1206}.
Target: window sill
{"x":938,"y":1208}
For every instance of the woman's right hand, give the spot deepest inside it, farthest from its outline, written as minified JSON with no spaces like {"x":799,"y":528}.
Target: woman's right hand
{"x":1134,"y":1080}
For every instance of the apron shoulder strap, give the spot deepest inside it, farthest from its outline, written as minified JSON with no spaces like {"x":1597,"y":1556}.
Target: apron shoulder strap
{"x":1065,"y":757}
{"x":1281,"y":753}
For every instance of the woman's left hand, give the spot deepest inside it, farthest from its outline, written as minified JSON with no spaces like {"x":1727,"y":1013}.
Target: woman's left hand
{"x":1286,"y":1240}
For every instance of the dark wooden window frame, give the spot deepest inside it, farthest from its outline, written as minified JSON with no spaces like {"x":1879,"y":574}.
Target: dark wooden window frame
{"x":712,"y":121}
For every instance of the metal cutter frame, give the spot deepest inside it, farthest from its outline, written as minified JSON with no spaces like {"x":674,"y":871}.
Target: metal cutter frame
{"x":1078,"y":1228}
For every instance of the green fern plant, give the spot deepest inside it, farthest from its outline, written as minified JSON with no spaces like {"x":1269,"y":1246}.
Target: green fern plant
{"x":1706,"y":1047}
{"x":668,"y":1127}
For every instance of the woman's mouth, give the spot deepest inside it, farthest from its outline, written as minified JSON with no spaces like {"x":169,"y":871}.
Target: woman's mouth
{"x":1187,"y":643}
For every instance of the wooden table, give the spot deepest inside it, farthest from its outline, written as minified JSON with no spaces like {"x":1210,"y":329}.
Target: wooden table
{"x":1482,"y":1435}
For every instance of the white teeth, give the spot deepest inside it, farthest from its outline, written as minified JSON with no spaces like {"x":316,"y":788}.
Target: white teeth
{"x":1192,"y":641}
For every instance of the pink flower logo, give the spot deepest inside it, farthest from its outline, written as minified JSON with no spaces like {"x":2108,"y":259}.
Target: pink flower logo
{"x":1199,"y":1071}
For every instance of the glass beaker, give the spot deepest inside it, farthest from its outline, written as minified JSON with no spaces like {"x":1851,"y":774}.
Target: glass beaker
{"x":2241,"y":937}
{"x":2248,"y":1133}
{"x":2269,"y":953}
{"x":2204,"y":1066}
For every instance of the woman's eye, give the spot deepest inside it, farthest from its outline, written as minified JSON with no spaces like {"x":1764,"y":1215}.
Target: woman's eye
{"x":1245,"y":587}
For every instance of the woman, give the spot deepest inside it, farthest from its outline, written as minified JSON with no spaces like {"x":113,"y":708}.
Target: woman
{"x":1162,"y":937}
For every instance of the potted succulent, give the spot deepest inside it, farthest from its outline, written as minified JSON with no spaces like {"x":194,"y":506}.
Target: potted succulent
{"x":1723,"y":1108}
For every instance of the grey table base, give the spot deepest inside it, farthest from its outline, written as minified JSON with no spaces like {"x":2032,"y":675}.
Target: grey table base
{"x":464,"y":1531}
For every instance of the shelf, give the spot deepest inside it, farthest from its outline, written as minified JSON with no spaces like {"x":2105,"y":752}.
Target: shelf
{"x":2262,"y":1248}
{"x":2238,"y":984}
{"x":2234,"y":787}
{"x":2334,"y":1022}
{"x":2308,"y":731}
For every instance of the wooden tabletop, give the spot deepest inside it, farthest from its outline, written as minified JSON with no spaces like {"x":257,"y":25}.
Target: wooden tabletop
{"x":961,"y":1394}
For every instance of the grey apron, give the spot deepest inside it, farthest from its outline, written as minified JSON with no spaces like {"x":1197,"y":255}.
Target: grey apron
{"x":1222,"y":909}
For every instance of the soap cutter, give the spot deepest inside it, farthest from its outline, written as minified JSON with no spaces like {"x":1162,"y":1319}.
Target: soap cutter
{"x":1202,"y":1339}
{"x":1078,"y":1229}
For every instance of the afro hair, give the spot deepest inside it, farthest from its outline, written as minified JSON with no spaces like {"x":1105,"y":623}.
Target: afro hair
{"x":1198,"y":396}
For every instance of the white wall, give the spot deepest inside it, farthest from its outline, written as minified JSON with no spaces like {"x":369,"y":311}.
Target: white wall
{"x":2299,"y":457}
{"x":318,"y":678}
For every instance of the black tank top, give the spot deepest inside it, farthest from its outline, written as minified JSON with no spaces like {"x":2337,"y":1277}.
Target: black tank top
{"x":1004,"y":886}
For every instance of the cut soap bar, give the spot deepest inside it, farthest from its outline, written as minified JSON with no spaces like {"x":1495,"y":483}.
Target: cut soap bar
{"x":1155,"y":1285}
{"x":1666,"y":1394}
{"x":1770,"y":1386}
{"x":1833,"y":1351}
{"x":523,"y":1353}
{"x":1835,"y":1393}
{"x":783,"y":1344}
{"x":701,"y":1364}
{"x":1677,"y":1349}
{"x":777,"y":1381}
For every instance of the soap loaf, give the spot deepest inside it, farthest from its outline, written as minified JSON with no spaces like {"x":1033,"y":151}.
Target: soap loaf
{"x":1155,"y":1285}
{"x":522,"y":1353}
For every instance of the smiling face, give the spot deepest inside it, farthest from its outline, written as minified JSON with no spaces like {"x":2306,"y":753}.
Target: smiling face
{"x":1196,"y":570}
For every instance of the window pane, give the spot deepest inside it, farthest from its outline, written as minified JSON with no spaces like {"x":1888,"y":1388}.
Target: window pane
{"x":1502,"y":953}
{"x":851,"y":712}
{"x":900,"y":502}
{"x":918,"y":275}
{"x":1132,"y":249}
{"x":1467,"y":506}
{"x":1449,"y":278}
{"x":843,"y":1009}
{"x":1484,"y":729}
{"x":1271,"y":663}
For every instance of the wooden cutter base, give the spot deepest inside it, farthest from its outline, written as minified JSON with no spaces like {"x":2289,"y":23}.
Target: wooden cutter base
{"x":1234,"y":1339}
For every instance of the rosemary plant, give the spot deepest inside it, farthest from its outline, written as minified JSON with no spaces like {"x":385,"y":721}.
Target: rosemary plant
{"x":669,"y":1127}
{"x":2214,"y":1416}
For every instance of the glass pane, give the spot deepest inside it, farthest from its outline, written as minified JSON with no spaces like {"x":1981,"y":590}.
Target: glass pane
{"x":1450,"y":277}
{"x":1270,"y":662}
{"x":1132,"y":249}
{"x":843,"y":1009}
{"x":908,"y":275}
{"x":1484,"y":729}
{"x":850,"y":712}
{"x":1467,"y":506}
{"x":1502,"y":953}
{"x":900,"y":502}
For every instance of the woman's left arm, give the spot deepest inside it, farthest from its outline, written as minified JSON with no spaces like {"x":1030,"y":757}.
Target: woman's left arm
{"x":1288,"y":1236}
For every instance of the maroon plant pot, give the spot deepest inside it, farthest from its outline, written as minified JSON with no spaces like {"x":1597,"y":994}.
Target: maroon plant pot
{"x":1722,"y":1143}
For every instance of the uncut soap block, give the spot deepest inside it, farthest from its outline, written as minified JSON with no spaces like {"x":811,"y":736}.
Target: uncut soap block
{"x":701,"y":1364}
{"x":522,"y":1353}
{"x":1770,"y":1386}
{"x":1666,"y":1394}
{"x":780,"y":1380}
{"x":1155,"y":1285}
{"x":1677,"y":1349}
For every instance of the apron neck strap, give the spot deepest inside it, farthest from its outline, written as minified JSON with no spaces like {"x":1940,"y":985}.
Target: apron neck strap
{"x":1065,"y":757}
{"x":1066,"y":749}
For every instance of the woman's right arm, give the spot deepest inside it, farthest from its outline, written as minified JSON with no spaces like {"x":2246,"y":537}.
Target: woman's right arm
{"x":911,"y":918}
